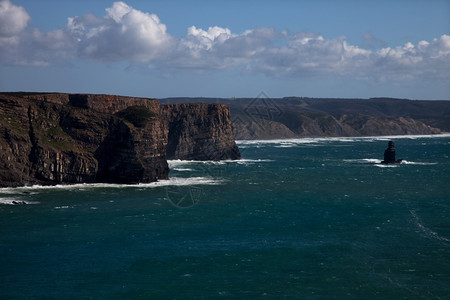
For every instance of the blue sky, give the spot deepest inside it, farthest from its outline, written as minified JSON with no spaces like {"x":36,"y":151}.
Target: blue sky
{"x":231,"y":48}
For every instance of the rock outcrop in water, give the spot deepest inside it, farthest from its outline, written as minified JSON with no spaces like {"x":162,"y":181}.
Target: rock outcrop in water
{"x":72,"y":138}
{"x":389,"y":154}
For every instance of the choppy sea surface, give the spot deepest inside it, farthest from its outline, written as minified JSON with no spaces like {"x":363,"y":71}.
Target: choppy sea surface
{"x":316,"y":218}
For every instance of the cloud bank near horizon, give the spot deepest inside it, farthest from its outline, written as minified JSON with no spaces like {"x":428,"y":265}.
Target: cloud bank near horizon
{"x":125,"y":34}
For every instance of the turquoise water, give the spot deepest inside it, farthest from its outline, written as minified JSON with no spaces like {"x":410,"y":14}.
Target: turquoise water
{"x":295,"y":219}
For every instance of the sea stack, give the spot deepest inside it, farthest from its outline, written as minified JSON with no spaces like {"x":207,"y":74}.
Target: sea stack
{"x":389,"y":154}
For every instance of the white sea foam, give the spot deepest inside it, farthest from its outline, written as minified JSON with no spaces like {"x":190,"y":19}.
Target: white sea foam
{"x":177,"y":164}
{"x":406,"y":162}
{"x":278,"y":141}
{"x":427,"y":232}
{"x":298,"y":141}
{"x":182,"y":169}
{"x":379,"y":164}
{"x":173,"y":181}
{"x":16,"y":201}
{"x":364,"y":160}
{"x":386,"y":165}
{"x":252,"y":161}
{"x":63,"y":207}
{"x":186,"y":181}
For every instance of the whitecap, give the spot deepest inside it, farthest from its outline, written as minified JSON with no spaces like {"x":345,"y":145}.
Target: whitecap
{"x":185,"y":181}
{"x":16,"y":201}
{"x":309,"y":140}
{"x":252,"y":161}
{"x":364,"y":160}
{"x":386,"y":165}
{"x":63,"y":207}
{"x":406,"y":162}
{"x":178,"y":162}
{"x":179,"y":165}
{"x":172,"y":181}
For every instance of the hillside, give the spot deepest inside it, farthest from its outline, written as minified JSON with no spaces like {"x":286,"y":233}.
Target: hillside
{"x":266,"y":118}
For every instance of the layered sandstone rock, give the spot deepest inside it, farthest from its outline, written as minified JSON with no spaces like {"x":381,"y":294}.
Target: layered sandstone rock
{"x":71,"y":138}
{"x":199,"y":131}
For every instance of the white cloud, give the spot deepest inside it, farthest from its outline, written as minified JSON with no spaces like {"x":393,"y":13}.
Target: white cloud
{"x":13,"y":20}
{"x":23,"y":45}
{"x":307,"y":54}
{"x":127,"y":34}
{"x":124,"y":34}
{"x":425,"y":60}
{"x":206,"y":39}
{"x":217,"y":48}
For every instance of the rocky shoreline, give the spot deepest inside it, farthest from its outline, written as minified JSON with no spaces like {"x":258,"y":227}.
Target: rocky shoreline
{"x":59,"y":138}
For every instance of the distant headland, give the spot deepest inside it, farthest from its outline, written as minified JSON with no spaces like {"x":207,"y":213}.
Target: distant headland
{"x":294,"y":117}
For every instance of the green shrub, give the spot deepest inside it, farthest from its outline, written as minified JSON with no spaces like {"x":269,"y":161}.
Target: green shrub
{"x":137,"y":115}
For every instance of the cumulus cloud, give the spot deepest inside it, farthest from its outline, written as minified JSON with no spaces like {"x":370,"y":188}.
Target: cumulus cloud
{"x":23,"y":45}
{"x":217,"y":48}
{"x":309,"y":54}
{"x":429,"y":60}
{"x":13,"y":20}
{"x":123,"y":34}
{"x":127,"y":34}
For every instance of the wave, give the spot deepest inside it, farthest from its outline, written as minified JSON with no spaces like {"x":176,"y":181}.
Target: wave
{"x":379,"y":164}
{"x":372,"y":161}
{"x":16,"y":201}
{"x":278,"y":141}
{"x":182,"y":169}
{"x":311,"y":140}
{"x":177,"y":163}
{"x":173,"y":181}
{"x":406,"y":162}
{"x":364,"y":160}
{"x":386,"y":165}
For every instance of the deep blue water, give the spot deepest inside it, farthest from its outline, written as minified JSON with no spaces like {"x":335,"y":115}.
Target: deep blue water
{"x":295,"y":219}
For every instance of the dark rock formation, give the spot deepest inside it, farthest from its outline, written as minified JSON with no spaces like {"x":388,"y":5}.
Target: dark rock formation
{"x":134,"y":150}
{"x":70,"y":138}
{"x":199,"y":132}
{"x":389,"y":154}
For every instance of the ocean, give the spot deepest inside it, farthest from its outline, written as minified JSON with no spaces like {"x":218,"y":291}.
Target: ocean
{"x":312,"y":218}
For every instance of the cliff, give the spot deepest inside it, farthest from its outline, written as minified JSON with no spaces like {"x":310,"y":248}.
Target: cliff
{"x":74,"y":138}
{"x":199,"y":132}
{"x":293,"y":117}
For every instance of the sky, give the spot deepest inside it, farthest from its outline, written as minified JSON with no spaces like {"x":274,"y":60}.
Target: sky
{"x":159,"y":49}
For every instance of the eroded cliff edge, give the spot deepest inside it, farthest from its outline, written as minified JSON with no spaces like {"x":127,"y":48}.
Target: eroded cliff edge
{"x":199,"y":131}
{"x":81,"y":138}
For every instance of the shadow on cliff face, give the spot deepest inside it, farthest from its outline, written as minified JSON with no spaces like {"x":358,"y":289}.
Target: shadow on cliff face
{"x":133,"y":151}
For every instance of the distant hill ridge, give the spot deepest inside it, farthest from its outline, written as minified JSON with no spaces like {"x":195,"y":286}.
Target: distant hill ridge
{"x":290,"y":117}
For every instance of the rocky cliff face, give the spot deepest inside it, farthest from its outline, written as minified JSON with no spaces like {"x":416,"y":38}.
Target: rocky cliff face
{"x":64,"y":138}
{"x":199,"y":131}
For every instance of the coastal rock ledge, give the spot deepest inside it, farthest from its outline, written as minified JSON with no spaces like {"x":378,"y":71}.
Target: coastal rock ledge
{"x":83,"y":138}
